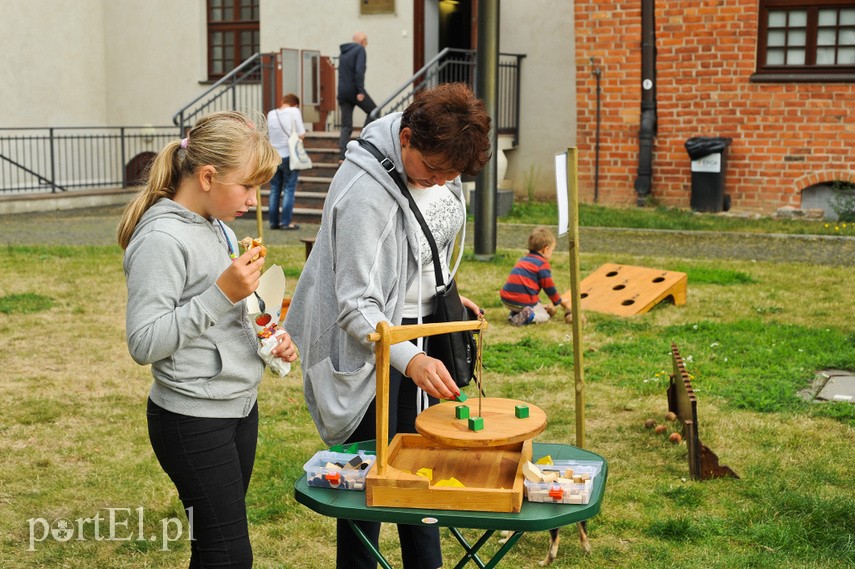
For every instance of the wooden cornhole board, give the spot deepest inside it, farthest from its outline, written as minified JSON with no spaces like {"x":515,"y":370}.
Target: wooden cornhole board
{"x":626,"y":290}
{"x":488,"y":462}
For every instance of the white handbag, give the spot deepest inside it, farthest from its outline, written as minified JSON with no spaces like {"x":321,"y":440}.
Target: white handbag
{"x":298,"y":159}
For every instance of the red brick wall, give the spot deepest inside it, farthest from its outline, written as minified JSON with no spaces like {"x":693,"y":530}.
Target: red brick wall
{"x":786,"y":136}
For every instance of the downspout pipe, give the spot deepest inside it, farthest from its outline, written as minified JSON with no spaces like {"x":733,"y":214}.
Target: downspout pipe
{"x":647,"y":130}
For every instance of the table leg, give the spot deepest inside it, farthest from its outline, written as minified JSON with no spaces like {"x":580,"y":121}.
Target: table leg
{"x":368,"y":545}
{"x":472,"y":550}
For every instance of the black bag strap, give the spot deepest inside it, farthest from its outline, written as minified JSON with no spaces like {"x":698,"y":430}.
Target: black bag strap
{"x":389,"y":166}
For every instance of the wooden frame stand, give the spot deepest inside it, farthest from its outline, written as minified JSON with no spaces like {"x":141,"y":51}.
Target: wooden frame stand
{"x":489,"y":480}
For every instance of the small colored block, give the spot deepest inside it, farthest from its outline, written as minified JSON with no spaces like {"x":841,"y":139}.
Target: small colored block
{"x":461,"y":397}
{"x":521,"y":411}
{"x":425,"y":473}
{"x":476,"y":423}
{"x":556,"y":492}
{"x":545,"y":459}
{"x":461,"y":412}
{"x":354,"y":462}
{"x":333,"y":477}
{"x":352,"y":449}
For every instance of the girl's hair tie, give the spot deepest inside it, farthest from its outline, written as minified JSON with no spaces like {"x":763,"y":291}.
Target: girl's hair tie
{"x":184,"y":142}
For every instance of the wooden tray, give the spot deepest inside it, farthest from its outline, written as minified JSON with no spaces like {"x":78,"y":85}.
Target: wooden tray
{"x":492,"y":476}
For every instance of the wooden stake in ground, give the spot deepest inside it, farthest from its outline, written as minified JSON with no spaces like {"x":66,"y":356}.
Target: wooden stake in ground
{"x":576,"y":308}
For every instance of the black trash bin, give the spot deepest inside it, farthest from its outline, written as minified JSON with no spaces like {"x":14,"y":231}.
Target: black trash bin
{"x":709,"y":164}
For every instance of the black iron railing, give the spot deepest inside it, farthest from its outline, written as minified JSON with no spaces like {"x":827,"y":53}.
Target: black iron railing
{"x":458,"y":65}
{"x":58,"y":159}
{"x":241,"y":89}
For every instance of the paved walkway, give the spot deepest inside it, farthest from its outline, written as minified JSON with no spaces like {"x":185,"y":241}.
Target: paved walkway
{"x":97,"y":226}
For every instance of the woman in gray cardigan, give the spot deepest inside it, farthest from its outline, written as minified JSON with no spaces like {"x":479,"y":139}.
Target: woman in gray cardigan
{"x":371,"y":263}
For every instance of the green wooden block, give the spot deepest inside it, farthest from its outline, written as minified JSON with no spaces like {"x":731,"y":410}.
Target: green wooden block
{"x":461,"y":398}
{"x":461,"y":412}
{"x":521,"y":411}
{"x":476,"y":423}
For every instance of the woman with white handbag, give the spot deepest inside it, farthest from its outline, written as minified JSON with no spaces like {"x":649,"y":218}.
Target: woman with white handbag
{"x":285,"y":127}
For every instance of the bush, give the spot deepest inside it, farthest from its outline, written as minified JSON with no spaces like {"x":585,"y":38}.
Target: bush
{"x":843,"y":200}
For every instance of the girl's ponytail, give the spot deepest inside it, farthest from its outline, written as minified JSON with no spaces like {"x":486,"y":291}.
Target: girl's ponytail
{"x":164,"y":174}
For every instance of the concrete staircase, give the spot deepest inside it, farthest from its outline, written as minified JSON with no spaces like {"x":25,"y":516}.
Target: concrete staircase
{"x":313,"y":184}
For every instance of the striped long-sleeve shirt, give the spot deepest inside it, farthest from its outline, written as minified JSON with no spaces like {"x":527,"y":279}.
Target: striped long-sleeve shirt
{"x":529,"y":276}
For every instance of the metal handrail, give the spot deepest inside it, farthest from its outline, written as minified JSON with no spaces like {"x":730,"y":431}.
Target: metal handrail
{"x":39,"y":177}
{"x":240,"y":75}
{"x":441,"y":69}
{"x":378,"y":112}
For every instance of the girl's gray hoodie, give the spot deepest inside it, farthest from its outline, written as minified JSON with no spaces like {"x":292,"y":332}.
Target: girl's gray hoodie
{"x":363,"y":261}
{"x":201,"y":347}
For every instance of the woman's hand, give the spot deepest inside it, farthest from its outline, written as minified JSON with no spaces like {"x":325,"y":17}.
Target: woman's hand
{"x":430,"y":374}
{"x":476,"y":310}
{"x":241,"y":278}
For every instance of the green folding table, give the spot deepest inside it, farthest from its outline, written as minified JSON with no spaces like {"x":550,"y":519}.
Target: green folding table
{"x":350,"y":506}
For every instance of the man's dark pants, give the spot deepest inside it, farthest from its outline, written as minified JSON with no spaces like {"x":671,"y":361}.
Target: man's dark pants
{"x":346,"y":109}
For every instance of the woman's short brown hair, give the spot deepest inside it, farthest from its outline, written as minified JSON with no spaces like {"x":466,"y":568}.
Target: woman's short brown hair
{"x":450,"y":121}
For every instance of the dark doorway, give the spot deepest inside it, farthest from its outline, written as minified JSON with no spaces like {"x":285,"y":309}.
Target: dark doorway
{"x":439,"y":24}
{"x":455,"y":24}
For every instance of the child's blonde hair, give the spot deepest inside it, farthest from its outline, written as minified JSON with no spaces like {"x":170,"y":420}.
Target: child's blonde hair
{"x":227,"y":140}
{"x":540,"y":238}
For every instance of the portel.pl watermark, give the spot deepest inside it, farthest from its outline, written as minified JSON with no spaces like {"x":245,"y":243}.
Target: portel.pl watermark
{"x":111,"y":524}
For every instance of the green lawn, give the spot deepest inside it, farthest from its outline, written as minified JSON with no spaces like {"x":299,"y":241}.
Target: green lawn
{"x":75,"y":445}
{"x":590,"y":215}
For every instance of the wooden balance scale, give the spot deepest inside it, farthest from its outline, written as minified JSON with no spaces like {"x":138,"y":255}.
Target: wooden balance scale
{"x":488,"y":462}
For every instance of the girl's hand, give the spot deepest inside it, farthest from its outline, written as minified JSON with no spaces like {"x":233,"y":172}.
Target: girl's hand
{"x":241,"y":278}
{"x":286,"y":349}
{"x":471,"y":306}
{"x":430,"y":374}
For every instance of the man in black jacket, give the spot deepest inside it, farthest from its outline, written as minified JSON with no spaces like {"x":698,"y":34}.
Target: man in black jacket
{"x":351,"y":86}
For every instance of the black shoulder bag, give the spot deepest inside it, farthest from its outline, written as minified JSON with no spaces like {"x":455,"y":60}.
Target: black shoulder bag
{"x":457,"y":350}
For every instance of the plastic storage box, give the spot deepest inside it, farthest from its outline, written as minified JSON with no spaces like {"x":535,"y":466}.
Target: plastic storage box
{"x":574,"y":485}
{"x":338,"y":470}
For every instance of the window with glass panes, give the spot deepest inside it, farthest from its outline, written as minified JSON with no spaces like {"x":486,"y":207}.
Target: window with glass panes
{"x":806,"y":37}
{"x":233,"y":34}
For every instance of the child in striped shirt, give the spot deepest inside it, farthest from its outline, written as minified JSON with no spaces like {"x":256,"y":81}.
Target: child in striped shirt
{"x":531,"y":274}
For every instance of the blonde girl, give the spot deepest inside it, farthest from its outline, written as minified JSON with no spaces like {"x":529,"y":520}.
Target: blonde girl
{"x":187,"y":318}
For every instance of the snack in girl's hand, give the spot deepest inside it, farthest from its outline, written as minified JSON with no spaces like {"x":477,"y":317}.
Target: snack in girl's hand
{"x":268,"y":333}
{"x":249,"y":242}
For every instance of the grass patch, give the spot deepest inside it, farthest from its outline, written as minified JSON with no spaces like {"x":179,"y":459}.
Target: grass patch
{"x":75,"y":442}
{"x":25,"y":303}
{"x":591,"y":215}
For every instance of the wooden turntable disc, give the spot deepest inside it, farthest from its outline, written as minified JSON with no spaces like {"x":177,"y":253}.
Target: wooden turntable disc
{"x":501,"y":425}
